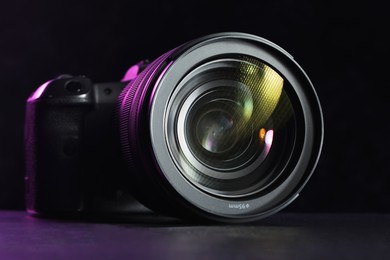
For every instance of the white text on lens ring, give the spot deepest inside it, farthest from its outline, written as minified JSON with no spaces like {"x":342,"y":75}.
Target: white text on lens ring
{"x":239,"y":206}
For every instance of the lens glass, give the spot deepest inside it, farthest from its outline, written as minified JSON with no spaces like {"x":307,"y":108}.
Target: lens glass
{"x":231,"y":126}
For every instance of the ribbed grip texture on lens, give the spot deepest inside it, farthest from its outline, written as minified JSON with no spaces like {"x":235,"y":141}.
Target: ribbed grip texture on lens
{"x":130,"y":105}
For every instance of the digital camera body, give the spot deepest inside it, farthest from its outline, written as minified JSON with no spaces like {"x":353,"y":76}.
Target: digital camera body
{"x":226,"y":127}
{"x":74,"y":163}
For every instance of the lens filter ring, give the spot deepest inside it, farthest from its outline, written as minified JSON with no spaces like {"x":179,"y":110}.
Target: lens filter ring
{"x":295,"y":145}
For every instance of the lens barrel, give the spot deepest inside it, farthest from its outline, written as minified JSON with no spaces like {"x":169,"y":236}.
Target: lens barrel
{"x":227,"y":127}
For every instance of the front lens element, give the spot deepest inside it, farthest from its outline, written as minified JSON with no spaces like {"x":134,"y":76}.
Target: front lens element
{"x":215,"y":129}
{"x":226,"y":127}
{"x":234,"y":126}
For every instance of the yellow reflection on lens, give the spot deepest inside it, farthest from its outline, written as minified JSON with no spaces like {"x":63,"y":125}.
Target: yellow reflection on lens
{"x":264,"y":90}
{"x":248,"y":108}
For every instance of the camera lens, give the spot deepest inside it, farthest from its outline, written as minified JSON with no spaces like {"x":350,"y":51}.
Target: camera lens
{"x":223,"y":122}
{"x":227,"y":127}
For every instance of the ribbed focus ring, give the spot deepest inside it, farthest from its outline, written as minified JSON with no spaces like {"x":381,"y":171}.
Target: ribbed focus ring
{"x":130,"y":104}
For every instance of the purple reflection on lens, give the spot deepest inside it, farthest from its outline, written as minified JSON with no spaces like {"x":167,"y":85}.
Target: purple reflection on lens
{"x":269,"y":137}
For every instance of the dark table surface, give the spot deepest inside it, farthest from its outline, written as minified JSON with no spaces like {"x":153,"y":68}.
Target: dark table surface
{"x":282,"y":236}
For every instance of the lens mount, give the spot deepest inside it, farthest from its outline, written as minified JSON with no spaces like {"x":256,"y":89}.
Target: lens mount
{"x":228,"y":126}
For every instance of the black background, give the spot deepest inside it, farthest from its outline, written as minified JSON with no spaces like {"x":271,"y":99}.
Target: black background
{"x":343,"y":46}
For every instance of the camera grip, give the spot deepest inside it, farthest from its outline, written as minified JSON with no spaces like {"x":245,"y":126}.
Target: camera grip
{"x":53,"y":153}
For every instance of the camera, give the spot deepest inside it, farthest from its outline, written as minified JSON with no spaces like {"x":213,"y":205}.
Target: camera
{"x":227,"y":128}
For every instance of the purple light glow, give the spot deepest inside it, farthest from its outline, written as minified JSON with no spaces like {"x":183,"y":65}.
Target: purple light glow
{"x":269,"y":137}
{"x":37,"y":94}
{"x":131,"y":73}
